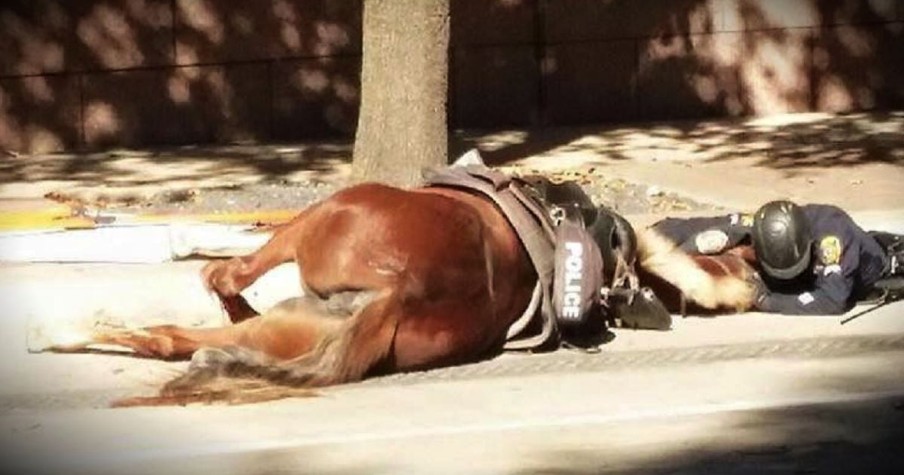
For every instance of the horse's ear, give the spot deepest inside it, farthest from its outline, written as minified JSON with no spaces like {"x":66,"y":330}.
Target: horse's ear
{"x":627,"y":238}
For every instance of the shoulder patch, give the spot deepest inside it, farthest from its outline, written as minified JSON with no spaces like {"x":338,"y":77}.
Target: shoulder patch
{"x":711,"y":241}
{"x":747,"y":220}
{"x":830,"y":250}
{"x":741,"y":219}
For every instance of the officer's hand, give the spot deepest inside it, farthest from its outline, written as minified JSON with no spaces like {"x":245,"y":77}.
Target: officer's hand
{"x":760,"y":291}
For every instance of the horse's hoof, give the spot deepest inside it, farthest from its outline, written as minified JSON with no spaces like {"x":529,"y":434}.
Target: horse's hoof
{"x":36,"y":340}
{"x":44,"y":336}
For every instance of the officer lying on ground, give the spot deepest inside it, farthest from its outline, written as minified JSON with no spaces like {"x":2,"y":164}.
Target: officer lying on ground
{"x":813,"y":259}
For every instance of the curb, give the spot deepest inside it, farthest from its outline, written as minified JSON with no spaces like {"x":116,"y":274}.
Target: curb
{"x":54,"y":216}
{"x":62,"y":234}
{"x":62,"y":217}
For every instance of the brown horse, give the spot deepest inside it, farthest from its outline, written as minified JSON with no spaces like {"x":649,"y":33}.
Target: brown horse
{"x":702,"y":284}
{"x":394,"y":280}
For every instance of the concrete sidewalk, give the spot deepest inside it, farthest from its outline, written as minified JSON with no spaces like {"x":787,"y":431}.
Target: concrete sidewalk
{"x":854,"y":161}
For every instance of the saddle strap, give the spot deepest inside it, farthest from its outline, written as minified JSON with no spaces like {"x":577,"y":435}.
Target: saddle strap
{"x":535,"y":230}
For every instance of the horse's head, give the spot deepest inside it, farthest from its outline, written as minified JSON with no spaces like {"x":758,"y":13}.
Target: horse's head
{"x":617,"y":242}
{"x":634,"y":306}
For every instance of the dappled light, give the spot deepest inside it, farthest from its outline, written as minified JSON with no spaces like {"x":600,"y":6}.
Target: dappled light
{"x":107,"y":33}
{"x":791,"y":143}
{"x":200,"y":16}
{"x":101,"y":118}
{"x":123,"y":176}
{"x":171,"y":73}
{"x":88,"y":75}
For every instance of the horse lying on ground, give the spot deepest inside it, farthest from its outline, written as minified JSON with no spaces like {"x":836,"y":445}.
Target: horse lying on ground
{"x":698,"y":284}
{"x":394,"y":280}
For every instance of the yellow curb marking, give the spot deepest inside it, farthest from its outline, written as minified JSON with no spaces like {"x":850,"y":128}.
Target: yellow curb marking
{"x":62,"y":218}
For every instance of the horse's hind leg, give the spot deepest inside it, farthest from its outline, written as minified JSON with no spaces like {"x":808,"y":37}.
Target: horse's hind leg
{"x":286,"y":331}
{"x":162,"y":341}
{"x":170,"y":342}
{"x":344,"y":352}
{"x":229,"y":277}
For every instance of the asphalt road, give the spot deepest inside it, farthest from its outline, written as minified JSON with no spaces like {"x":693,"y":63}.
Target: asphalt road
{"x":778,"y":414}
{"x":736,"y":394}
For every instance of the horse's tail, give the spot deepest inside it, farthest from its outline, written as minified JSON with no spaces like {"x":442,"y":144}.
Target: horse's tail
{"x":237,"y":375}
{"x":708,"y":281}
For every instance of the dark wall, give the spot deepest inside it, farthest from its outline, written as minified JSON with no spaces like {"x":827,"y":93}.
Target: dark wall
{"x":88,"y":74}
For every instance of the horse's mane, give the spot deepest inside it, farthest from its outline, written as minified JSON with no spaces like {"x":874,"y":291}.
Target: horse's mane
{"x":711,"y":282}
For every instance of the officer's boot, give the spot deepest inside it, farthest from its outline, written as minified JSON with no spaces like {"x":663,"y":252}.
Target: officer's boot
{"x":893,"y":244}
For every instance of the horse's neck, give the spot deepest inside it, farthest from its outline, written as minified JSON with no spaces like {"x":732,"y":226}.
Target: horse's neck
{"x":717,"y":282}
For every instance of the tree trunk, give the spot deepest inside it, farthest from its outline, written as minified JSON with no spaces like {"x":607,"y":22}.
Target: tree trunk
{"x":402,"y":122}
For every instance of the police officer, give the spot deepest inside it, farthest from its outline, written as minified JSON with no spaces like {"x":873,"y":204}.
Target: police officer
{"x":814,"y":259}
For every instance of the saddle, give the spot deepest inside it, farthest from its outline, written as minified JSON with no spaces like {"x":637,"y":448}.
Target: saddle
{"x":576,"y":249}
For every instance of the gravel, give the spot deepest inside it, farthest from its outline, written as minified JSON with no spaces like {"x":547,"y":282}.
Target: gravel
{"x":616,"y":193}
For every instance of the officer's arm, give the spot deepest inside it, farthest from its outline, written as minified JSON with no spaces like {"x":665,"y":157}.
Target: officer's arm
{"x":683,"y":231}
{"x":831,"y":294}
{"x":716,"y":235}
{"x":726,"y":233}
{"x":830,"y":297}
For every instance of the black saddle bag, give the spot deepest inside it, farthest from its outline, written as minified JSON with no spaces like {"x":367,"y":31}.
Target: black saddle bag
{"x":578,"y":272}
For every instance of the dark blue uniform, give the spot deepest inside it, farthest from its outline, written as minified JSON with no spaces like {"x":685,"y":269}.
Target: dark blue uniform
{"x":845,"y":262}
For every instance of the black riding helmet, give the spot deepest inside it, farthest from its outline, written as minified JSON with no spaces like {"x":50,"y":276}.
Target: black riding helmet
{"x":615,"y":237}
{"x":612,"y":233}
{"x":781,"y":239}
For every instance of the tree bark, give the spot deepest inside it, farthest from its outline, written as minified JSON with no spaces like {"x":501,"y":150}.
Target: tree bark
{"x":404,"y":75}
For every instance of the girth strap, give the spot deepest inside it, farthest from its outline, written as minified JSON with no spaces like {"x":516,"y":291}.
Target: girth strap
{"x":534,"y":228}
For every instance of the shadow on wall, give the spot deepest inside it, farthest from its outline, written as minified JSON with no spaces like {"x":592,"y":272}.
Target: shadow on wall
{"x":650,"y":60}
{"x":658,"y":60}
{"x":793,"y":144}
{"x":94,"y":74}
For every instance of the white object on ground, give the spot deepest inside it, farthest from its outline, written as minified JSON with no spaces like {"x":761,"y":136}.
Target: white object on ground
{"x":471,"y":157}
{"x":140,"y":243}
